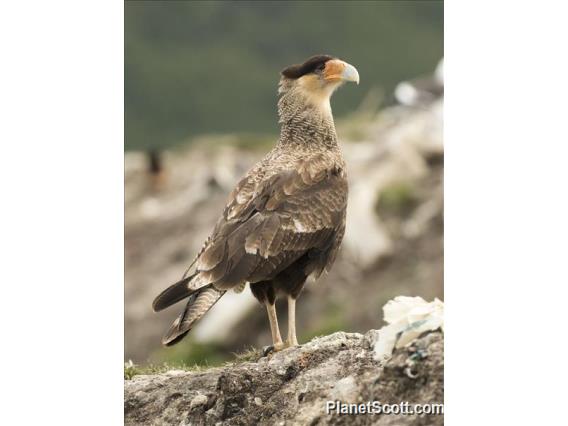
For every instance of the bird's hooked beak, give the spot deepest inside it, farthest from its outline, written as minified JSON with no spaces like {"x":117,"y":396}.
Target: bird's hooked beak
{"x":338,"y":71}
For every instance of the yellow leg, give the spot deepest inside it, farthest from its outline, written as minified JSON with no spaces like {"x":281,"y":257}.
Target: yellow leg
{"x":276,"y":338}
{"x":291,"y":340}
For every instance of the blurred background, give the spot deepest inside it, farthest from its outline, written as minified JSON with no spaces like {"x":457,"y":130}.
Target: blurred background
{"x":200,"y":109}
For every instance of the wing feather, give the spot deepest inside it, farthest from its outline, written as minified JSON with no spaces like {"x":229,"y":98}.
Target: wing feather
{"x":271,"y":221}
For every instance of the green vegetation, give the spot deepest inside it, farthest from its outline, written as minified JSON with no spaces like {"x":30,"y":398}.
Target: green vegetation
{"x":190,"y":353}
{"x":192,"y":357}
{"x":194,"y":68}
{"x":398,"y":199}
{"x":131,"y":369}
{"x":333,"y":320}
{"x":250,"y":354}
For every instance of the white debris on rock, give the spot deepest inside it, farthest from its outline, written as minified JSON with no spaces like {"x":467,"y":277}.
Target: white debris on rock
{"x":345,"y":390}
{"x":407,"y":318}
{"x":197,"y":401}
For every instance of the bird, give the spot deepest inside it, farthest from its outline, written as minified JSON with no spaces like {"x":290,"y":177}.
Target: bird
{"x":155,"y":169}
{"x":285,"y":219}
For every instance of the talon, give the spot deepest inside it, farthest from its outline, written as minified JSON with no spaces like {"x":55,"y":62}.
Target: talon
{"x":279,"y":346}
{"x":292,"y":344}
{"x":267,"y":350}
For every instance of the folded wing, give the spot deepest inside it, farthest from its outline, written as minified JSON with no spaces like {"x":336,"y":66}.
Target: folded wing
{"x":269,"y":224}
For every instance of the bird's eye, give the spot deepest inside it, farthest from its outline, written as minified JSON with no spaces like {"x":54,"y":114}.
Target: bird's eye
{"x":320,"y":67}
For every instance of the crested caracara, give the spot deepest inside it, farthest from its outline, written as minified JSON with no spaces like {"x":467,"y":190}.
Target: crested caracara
{"x":285,"y":219}
{"x":156,"y":171}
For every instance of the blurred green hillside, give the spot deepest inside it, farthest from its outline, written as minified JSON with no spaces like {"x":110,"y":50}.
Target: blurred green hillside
{"x":213,"y":67}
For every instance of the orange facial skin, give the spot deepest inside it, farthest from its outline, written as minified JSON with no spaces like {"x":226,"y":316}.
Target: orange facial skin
{"x":333,"y":70}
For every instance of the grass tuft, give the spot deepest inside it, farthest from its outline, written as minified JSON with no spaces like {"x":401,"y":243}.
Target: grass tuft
{"x":250,"y":354}
{"x":131,"y":370}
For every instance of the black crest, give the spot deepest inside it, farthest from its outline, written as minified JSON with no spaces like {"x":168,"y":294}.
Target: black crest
{"x":311,"y":65}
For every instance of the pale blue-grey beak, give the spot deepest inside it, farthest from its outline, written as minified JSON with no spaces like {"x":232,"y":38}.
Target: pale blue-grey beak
{"x":350,"y":73}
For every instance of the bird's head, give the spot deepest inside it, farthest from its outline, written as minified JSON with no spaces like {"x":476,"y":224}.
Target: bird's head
{"x":318,"y":77}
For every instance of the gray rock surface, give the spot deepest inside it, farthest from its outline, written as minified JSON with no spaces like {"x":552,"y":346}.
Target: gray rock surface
{"x":291,"y":387}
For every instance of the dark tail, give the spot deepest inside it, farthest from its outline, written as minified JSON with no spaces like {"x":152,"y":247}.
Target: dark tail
{"x":198,"y":304}
{"x":172,"y":294}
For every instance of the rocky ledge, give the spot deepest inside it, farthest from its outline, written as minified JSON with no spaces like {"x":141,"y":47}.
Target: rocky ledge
{"x":295,"y":386}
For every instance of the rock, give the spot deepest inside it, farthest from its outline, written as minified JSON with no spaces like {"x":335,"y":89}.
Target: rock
{"x":197,"y":401}
{"x":292,"y":386}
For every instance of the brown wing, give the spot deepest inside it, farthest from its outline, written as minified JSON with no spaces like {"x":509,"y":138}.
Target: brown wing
{"x":268,"y":225}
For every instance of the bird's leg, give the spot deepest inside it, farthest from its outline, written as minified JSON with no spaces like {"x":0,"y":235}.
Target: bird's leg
{"x":276,"y":338}
{"x":291,"y":340}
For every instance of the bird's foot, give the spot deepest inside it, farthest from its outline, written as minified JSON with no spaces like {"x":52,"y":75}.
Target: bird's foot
{"x":267,"y":350}
{"x":291,"y":342}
